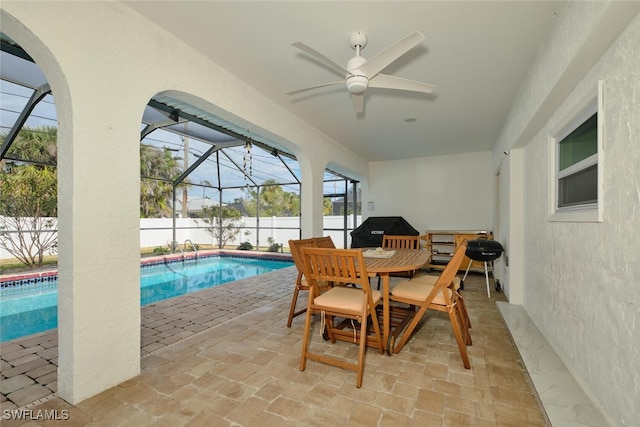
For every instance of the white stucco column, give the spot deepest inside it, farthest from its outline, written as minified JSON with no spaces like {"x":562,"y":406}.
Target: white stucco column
{"x":99,"y":271}
{"x":98,"y":198}
{"x":311,"y":201}
{"x":98,"y":209}
{"x":514,"y":280}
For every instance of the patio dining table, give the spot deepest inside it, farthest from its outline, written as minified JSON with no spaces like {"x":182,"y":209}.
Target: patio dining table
{"x":401,"y":260}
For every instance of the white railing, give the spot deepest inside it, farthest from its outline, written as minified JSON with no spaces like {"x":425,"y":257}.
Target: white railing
{"x":195,"y":249}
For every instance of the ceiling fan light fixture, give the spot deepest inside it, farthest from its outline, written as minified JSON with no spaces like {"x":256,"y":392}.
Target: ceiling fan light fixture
{"x":357,"y":84}
{"x":360,"y":71}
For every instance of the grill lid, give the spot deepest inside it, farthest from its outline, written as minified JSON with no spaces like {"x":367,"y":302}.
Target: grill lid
{"x":369,"y":233}
{"x":484,"y":249}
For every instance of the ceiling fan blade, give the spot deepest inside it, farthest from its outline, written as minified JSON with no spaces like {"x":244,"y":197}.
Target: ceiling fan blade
{"x":379,"y":62}
{"x":385,"y":81}
{"x":358,"y":102}
{"x":295,"y":92}
{"x":321,"y":57}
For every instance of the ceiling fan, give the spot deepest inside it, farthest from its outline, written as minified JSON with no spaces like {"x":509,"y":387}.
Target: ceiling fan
{"x":362,"y":73}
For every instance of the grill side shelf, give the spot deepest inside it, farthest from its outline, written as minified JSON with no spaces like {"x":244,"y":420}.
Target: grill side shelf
{"x":441,"y":244}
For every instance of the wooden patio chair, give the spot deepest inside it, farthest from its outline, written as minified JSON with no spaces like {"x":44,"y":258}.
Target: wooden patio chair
{"x":456,"y":284}
{"x":390,"y":241}
{"x":340,"y":266}
{"x":400,"y":242}
{"x":301,"y":283}
{"x":440,"y":296}
{"x":324,"y":242}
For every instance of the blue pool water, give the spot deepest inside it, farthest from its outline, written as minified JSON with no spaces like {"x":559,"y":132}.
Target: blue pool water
{"x":31,"y":308}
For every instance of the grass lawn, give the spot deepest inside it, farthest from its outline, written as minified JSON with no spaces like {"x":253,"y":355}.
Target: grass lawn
{"x":11,"y":265}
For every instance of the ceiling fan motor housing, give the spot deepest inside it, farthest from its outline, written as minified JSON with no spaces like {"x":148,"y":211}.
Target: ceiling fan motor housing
{"x":357,"y":83}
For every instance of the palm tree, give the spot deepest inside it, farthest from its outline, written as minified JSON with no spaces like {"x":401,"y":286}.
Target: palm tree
{"x":36,"y":145}
{"x":158,"y":168}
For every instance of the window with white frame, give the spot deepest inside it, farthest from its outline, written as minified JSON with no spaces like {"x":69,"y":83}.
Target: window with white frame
{"x":577,"y":164}
{"x":577,"y":147}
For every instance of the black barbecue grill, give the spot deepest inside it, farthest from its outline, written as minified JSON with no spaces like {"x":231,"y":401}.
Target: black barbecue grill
{"x":487,"y":251}
{"x":369,"y":233}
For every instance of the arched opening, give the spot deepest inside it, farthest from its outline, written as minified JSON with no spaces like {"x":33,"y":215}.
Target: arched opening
{"x":213,"y":164}
{"x":28,"y":194}
{"x":214,"y":177}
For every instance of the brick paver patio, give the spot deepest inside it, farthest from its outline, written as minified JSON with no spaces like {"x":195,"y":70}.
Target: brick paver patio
{"x":224,"y":357}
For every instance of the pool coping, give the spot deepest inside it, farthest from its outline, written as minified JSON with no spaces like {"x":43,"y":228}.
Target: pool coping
{"x":16,"y":279}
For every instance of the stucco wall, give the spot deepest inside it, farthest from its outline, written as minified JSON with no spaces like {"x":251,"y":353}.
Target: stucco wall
{"x":434,"y":193}
{"x":579,"y":281}
{"x":583,"y":279}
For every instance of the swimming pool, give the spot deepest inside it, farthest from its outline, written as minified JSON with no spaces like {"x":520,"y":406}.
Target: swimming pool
{"x":33,"y":307}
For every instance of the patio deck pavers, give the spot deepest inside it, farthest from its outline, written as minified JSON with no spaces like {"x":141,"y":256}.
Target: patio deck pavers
{"x":224,"y":356}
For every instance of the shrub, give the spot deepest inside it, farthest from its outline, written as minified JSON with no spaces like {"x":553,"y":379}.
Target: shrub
{"x":275,"y":247}
{"x":245,"y":246}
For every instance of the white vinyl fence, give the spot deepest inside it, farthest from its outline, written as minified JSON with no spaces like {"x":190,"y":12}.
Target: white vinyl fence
{"x":159,"y":232}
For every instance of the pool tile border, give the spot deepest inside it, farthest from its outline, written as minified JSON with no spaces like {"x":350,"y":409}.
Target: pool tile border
{"x":11,"y":280}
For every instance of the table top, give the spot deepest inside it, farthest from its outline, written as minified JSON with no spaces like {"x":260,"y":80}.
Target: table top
{"x":402,"y":260}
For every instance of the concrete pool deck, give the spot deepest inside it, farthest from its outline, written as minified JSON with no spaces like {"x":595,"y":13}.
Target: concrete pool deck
{"x":224,"y":356}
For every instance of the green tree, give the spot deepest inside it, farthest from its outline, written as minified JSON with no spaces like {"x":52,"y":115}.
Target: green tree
{"x":223,"y":223}
{"x":292,"y":204}
{"x":158,"y":168}
{"x":274,"y":201}
{"x":35,"y":145}
{"x":327,"y":207}
{"x":250,"y":202}
{"x":29,"y":191}
{"x":29,"y":196}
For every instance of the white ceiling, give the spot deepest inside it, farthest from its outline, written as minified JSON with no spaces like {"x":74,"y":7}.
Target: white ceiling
{"x":476,"y":53}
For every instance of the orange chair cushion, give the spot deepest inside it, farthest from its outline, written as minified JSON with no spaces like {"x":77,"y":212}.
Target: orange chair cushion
{"x":343,"y":298}
{"x":411,"y":289}
{"x":322,"y":284}
{"x":431,"y":280}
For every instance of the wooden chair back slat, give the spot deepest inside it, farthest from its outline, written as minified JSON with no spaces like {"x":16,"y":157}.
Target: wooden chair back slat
{"x":324,"y":242}
{"x":400,"y":242}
